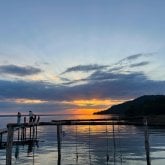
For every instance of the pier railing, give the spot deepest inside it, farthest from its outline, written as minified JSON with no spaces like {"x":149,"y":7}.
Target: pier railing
{"x":32,"y":128}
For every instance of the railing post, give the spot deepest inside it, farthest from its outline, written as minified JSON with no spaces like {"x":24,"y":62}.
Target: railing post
{"x":10,"y":131}
{"x":59,"y":129}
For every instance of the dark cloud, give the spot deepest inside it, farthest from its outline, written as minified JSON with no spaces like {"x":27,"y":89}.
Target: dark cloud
{"x":134,"y":57}
{"x":127,"y":63}
{"x":11,"y":106}
{"x":102,"y":76}
{"x":99,"y":85}
{"x":31,"y":90}
{"x":85,"y":68}
{"x":144,"y":63}
{"x":121,"y":64}
{"x":19,"y":70}
{"x":64,"y":79}
{"x":115,"y":68}
{"x":120,"y":87}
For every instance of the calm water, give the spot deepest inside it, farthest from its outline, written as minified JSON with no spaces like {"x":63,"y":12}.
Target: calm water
{"x":83,"y":145}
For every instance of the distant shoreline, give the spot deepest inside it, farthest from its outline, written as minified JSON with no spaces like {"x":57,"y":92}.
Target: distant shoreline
{"x":152,"y":120}
{"x":12,"y":115}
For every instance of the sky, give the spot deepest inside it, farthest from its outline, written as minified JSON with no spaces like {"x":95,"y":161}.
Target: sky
{"x":79,"y":56}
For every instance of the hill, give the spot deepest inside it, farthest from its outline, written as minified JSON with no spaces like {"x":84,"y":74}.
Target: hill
{"x":144,"y":105}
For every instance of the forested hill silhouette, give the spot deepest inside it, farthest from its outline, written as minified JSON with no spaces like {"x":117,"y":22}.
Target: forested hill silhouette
{"x":144,"y":105}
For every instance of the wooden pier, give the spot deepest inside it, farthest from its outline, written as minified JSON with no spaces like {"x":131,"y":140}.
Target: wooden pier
{"x":32,"y":128}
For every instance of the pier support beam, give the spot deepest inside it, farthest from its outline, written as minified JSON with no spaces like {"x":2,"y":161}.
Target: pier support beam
{"x":147,"y":145}
{"x":0,"y":139}
{"x":10,"y":130}
{"x":59,"y":129}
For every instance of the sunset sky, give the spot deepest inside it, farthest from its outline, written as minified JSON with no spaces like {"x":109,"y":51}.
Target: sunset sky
{"x":79,"y":56}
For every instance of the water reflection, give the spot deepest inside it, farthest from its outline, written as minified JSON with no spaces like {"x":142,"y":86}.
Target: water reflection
{"x":17,"y":152}
{"x":31,"y":145}
{"x":79,"y":145}
{"x":129,"y":145}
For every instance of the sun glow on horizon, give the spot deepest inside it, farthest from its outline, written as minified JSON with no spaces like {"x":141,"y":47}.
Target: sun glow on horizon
{"x":75,"y":107}
{"x":81,"y":111}
{"x":95,"y":102}
{"x":91,"y":106}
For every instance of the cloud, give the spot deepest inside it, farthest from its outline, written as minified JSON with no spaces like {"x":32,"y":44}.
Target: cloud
{"x":99,"y":85}
{"x":118,"y":70}
{"x":120,"y":87}
{"x":103,"y":83}
{"x":134,"y":57}
{"x":131,"y":59}
{"x":116,"y":67}
{"x":139,"y":64}
{"x":125,"y":64}
{"x":19,"y":70}
{"x":102,"y":76}
{"x":85,"y":68}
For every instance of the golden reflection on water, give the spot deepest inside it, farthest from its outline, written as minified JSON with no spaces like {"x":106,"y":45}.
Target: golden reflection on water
{"x":82,"y":129}
{"x":86,"y":129}
{"x":87,"y":117}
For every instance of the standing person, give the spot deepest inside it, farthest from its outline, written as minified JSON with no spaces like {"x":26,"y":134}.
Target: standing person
{"x":18,"y":118}
{"x":31,"y":116}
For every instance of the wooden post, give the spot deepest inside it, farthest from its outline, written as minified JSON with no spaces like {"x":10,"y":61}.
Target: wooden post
{"x":33,"y":131}
{"x":147,"y":146}
{"x":0,"y":139}
{"x":24,"y":130}
{"x":59,"y":129}
{"x":37,"y":123}
{"x":21,"y":137}
{"x":30,"y":132}
{"x":36,"y":132}
{"x":18,"y":133}
{"x":114,"y":144}
{"x":9,"y":145}
{"x":25,"y":133}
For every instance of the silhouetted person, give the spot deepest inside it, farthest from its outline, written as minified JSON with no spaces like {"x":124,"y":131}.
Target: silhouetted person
{"x":25,"y":119}
{"x":38,"y":119}
{"x":31,"y":116}
{"x":18,"y":118}
{"x":34,"y":118}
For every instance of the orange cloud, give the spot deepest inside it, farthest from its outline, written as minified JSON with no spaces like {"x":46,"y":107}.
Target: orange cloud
{"x":29,"y":101}
{"x":95,"y":102}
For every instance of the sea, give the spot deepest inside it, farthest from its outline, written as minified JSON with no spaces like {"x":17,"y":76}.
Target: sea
{"x":87,"y":144}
